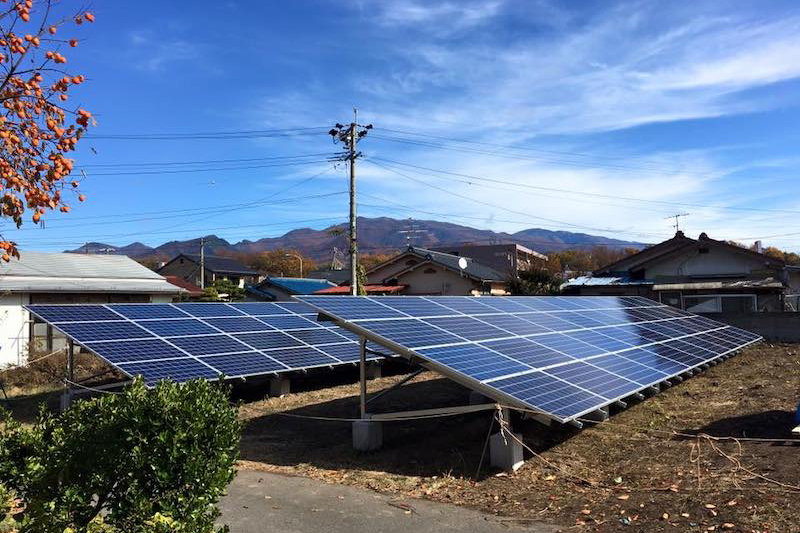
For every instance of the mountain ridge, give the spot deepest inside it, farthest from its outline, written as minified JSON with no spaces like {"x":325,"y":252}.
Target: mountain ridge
{"x":376,"y":235}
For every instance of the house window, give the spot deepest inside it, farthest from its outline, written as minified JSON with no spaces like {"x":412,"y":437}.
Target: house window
{"x":180,"y":260}
{"x":429,"y":271}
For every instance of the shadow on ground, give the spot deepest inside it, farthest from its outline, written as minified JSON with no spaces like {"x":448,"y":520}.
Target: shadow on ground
{"x":773,"y":424}
{"x":448,"y":445}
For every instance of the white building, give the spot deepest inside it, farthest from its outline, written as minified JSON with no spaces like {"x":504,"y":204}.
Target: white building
{"x":39,"y":278}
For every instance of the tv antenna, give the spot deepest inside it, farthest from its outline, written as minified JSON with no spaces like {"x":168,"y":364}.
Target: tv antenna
{"x":677,"y":224}
{"x":411,"y":232}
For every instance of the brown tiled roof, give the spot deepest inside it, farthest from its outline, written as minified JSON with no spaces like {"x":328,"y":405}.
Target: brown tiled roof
{"x":191,"y":288}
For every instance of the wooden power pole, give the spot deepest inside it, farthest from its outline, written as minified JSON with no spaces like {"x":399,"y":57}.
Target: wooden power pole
{"x":349,"y":136}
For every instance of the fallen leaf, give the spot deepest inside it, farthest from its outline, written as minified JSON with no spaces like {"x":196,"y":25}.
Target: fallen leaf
{"x":665,"y":516}
{"x":551,"y":477}
{"x":685,"y":515}
{"x":618,"y":480}
{"x":710,"y":506}
{"x":623,"y":496}
{"x":586,"y":511}
{"x":728,"y":525}
{"x":732,"y":503}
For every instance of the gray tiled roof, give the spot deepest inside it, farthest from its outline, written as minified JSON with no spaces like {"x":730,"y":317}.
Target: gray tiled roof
{"x":474,"y":269}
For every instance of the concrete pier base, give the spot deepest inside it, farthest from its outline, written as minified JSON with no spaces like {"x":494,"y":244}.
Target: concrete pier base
{"x":600,"y":415}
{"x":367,"y":435}
{"x":279,"y":387}
{"x":66,"y":400}
{"x":505,"y":452}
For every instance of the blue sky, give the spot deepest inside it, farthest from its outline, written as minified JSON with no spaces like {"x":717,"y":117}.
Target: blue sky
{"x":597,"y":117}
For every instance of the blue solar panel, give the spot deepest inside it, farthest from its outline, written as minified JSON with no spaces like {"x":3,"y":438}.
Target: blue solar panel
{"x":238,"y":324}
{"x":103,"y":331}
{"x":243,"y":364}
{"x":185,"y":340}
{"x":563,"y":356}
{"x":177,"y":327}
{"x":134,"y":311}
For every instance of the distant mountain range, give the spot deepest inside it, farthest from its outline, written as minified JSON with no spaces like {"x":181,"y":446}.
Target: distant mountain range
{"x":376,"y":235}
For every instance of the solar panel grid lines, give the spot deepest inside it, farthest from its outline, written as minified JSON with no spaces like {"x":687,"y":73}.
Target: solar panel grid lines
{"x":600,"y":350}
{"x":203,"y":339}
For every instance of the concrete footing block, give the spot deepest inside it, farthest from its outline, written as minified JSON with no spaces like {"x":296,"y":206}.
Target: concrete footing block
{"x":505,"y":452}
{"x":279,"y":387}
{"x":373,"y":371}
{"x":367,"y":435}
{"x":600,"y":415}
{"x":66,"y":400}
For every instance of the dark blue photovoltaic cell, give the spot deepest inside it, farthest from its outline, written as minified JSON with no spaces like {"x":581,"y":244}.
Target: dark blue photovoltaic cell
{"x":600,"y":340}
{"x":73,"y":313}
{"x":259,"y":308}
{"x":550,"y":322}
{"x":410,"y":332}
{"x":103,"y":331}
{"x":582,"y":320}
{"x":528,"y":352}
{"x":209,"y":344}
{"x":175,"y":369}
{"x":268,"y":340}
{"x":665,"y":350}
{"x":116,"y":352}
{"x":467,"y":306}
{"x":202,"y":310}
{"x":416,"y":307}
{"x":505,"y":305}
{"x":238,"y":324}
{"x":651,"y":359}
{"x":288,"y":322}
{"x":595,"y":380}
{"x":356,"y":307}
{"x":567,"y":345}
{"x":316,"y":336}
{"x":641,"y":374}
{"x":474,"y":361}
{"x":469,"y":328}
{"x":299,"y":308}
{"x":513,"y":324}
{"x":135,"y":311}
{"x":177,"y":327}
{"x":303,"y":357}
{"x":243,"y":364}
{"x":347,"y":352}
{"x":549,"y":394}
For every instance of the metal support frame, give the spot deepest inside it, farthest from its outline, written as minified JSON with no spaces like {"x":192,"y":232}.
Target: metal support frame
{"x":397,"y":385}
{"x":362,"y":371}
{"x":433,"y":412}
{"x":69,"y":376}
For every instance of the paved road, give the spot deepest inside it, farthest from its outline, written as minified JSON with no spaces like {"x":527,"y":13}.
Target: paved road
{"x":259,"y":502}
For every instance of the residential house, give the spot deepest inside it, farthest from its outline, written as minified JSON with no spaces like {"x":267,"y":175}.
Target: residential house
{"x":699,"y":275}
{"x":191,"y":291}
{"x":55,"y":278}
{"x":282,"y":289}
{"x":429,"y":272}
{"x":187,"y":267}
{"x":505,"y":258}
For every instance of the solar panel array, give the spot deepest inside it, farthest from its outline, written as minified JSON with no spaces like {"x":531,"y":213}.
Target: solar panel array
{"x":203,"y":340}
{"x":561,"y":356}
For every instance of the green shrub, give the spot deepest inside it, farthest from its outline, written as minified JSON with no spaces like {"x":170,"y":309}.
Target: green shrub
{"x":146,"y":460}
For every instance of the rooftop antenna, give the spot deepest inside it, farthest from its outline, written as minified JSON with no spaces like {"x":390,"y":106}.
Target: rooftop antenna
{"x":411,"y":232}
{"x":677,"y":224}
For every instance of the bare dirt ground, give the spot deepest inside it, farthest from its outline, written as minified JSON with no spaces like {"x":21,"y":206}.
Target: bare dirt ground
{"x":647,"y":469}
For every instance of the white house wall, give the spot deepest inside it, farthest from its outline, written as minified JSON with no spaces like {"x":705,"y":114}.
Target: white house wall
{"x":14,"y":329}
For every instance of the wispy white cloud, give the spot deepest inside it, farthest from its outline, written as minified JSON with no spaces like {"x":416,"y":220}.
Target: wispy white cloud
{"x":443,"y":16}
{"x":153,"y":53}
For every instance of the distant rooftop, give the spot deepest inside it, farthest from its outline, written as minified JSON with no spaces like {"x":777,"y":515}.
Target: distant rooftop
{"x":220,"y":264}
{"x":297,"y":285}
{"x":67,"y":272}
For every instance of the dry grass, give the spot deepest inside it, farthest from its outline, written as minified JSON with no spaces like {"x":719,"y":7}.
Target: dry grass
{"x":641,"y":477}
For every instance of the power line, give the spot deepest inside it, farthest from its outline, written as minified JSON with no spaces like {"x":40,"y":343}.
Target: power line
{"x":211,"y":161}
{"x":584,"y":193}
{"x":225,"y":169}
{"x":495,"y":206}
{"x":218,"y":135}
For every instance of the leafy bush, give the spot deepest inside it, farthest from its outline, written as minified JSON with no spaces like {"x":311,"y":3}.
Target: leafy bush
{"x":535,"y":282}
{"x":144,"y":460}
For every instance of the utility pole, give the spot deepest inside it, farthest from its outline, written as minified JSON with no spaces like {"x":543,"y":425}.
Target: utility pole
{"x":676,"y":225}
{"x":202,"y":262}
{"x":349,"y":136}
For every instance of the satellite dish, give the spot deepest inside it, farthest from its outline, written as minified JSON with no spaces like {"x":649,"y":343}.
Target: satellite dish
{"x":462,"y":263}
